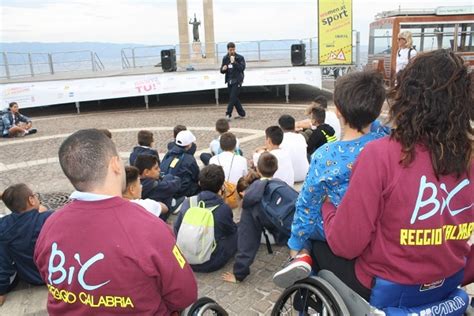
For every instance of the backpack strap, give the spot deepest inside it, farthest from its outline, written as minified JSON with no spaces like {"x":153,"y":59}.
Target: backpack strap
{"x":193,"y":202}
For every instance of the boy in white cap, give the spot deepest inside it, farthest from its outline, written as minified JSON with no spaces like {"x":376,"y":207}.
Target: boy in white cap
{"x":179,"y":162}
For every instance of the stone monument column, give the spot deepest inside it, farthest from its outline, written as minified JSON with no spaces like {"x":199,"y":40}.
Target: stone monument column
{"x":210,"y":45}
{"x":182,"y":6}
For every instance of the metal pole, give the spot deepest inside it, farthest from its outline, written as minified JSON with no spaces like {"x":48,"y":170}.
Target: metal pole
{"x":93,"y":61}
{"x":217,"y":53}
{"x":50,"y":61}
{"x":217,"y":96}
{"x":30,"y":60}
{"x":258,"y":43}
{"x":146,"y":101}
{"x":78,"y":107}
{"x":287,"y":93}
{"x":5,"y":62}
{"x":357,"y":49}
{"x":157,"y":98}
{"x":133,"y":57}
{"x":310,"y":50}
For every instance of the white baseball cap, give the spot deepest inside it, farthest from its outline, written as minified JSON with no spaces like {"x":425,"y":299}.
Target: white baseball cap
{"x":185,"y":138}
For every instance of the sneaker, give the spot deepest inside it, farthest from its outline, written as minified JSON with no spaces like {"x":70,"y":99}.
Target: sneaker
{"x":31,"y":131}
{"x":297,"y":269}
{"x":228,"y":117}
{"x":240,"y":117}
{"x":176,"y":205}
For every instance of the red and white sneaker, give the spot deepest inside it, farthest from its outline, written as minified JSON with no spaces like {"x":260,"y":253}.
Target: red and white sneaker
{"x":297,"y":269}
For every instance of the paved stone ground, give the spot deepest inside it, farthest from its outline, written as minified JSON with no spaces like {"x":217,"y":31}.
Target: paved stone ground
{"x":33,"y":160}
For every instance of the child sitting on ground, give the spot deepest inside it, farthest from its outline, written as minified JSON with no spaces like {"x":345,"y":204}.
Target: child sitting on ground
{"x":358,"y":98}
{"x":171,"y":143}
{"x":181,"y":163}
{"x":322,"y":133}
{"x":294,"y":144}
{"x":18,"y":234}
{"x":222,"y":126}
{"x":145,"y":144}
{"x":211,"y":180}
{"x":253,"y":219}
{"x":234,"y":166}
{"x":133,"y":192}
{"x":273,"y":139}
{"x":331,"y":118}
{"x":154,"y":186}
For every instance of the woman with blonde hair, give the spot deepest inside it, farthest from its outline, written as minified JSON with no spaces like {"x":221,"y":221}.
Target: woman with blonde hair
{"x":406,"y":51}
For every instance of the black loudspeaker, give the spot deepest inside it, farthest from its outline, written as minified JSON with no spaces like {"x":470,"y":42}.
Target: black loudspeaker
{"x":298,"y":54}
{"x":168,"y":60}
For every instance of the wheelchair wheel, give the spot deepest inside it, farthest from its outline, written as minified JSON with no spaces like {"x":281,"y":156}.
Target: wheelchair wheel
{"x":311,"y":296}
{"x":206,"y":306}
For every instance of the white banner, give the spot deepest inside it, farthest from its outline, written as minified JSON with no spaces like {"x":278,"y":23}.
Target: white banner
{"x":43,"y":93}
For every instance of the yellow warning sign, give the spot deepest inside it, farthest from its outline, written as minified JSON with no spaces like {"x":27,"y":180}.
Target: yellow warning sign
{"x":335,"y":32}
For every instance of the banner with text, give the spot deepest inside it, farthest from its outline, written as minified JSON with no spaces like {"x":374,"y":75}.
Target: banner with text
{"x":335,"y":32}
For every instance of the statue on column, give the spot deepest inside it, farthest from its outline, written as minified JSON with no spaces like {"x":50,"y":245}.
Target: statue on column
{"x":195,"y":25}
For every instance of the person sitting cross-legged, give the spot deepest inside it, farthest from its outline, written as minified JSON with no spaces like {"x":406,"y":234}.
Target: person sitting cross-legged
{"x":211,"y":180}
{"x":18,"y":234}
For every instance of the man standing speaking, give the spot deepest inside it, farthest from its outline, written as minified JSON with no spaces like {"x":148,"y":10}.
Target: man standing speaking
{"x":233,"y":66}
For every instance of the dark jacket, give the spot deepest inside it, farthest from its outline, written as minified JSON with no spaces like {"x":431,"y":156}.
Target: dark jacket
{"x":191,"y":150}
{"x":225,"y":231}
{"x":317,"y":138}
{"x":186,"y":168}
{"x":236,"y":73}
{"x":18,"y":235}
{"x":250,"y":230}
{"x":161,"y":190}
{"x":141,"y":150}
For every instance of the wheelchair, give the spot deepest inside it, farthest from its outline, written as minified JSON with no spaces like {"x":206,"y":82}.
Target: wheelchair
{"x":205,"y":306}
{"x":326,"y":295}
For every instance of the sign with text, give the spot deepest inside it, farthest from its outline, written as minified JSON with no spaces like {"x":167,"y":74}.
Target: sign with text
{"x":335,"y":32}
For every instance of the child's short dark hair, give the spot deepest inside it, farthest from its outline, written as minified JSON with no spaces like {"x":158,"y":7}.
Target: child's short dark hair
{"x":12,"y":104}
{"x":287,"y":122}
{"x":144,"y":162}
{"x":132,"y":174}
{"x":359,"y":97}
{"x":145,"y":138}
{"x":106,"y":132}
{"x":228,"y":141}
{"x":222,"y":126}
{"x":322,"y":101}
{"x":16,"y":197}
{"x":275,"y":133}
{"x":267,"y":164}
{"x":318,"y":114}
{"x":177,"y":129}
{"x":211,"y":178}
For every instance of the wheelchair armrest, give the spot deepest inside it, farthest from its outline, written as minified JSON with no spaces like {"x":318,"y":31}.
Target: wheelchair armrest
{"x":354,"y":302}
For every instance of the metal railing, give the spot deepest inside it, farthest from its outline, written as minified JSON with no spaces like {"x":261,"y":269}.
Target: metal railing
{"x":254,"y":51}
{"x":17,"y":65}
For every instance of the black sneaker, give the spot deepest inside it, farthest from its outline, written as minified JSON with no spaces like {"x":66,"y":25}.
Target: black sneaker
{"x":31,"y":131}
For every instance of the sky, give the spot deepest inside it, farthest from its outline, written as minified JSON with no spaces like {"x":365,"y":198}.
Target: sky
{"x":154,"y":22}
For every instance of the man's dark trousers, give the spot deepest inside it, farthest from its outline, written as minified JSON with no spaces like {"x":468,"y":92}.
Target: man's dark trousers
{"x":234,"y":91}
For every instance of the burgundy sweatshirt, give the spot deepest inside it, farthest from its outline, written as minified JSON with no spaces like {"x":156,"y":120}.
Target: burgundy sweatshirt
{"x":112,"y":257}
{"x":402,"y":224}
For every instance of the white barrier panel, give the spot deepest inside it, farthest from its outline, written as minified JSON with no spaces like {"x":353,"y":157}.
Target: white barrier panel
{"x":43,"y":93}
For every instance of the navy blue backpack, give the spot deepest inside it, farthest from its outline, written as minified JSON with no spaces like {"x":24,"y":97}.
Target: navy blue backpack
{"x":278,"y":203}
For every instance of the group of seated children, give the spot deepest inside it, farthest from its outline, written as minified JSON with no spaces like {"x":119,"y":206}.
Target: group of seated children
{"x":373,"y":208}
